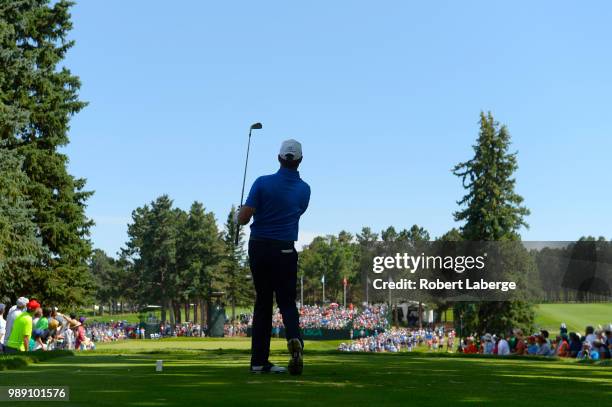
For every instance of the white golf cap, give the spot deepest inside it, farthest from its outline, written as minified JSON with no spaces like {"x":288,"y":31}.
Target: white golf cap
{"x":292,"y":147}
{"x":22,"y":302}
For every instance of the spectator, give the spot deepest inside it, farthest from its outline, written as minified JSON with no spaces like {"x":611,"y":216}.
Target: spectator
{"x":2,"y":326}
{"x":69,"y":334}
{"x":600,"y":348}
{"x":608,"y":341}
{"x":79,"y":334}
{"x":43,"y":321}
{"x":587,"y":353}
{"x":503,"y":349}
{"x":589,"y":335}
{"x":543,"y":346}
{"x":53,"y":333}
{"x":544,"y":334}
{"x":13,"y":313}
{"x":563,"y":348}
{"x":36,"y":341}
{"x":575,"y":344}
{"x":487,"y":345}
{"x":21,"y":331}
{"x":519,"y":343}
{"x":470,"y":346}
{"x":532,"y":346}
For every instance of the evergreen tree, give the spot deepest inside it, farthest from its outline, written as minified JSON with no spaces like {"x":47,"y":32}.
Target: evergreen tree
{"x":185,"y":288}
{"x":343,"y":265}
{"x":452,"y":235}
{"x":109,"y":279}
{"x":200,"y":254}
{"x":20,"y":248}
{"x":366,"y":236}
{"x":389,"y":235}
{"x":492,"y":211}
{"x":152,"y":249}
{"x":365,"y":242}
{"x":37,"y":99}
{"x":312,"y":265}
{"x":415,"y":234}
{"x":336,"y":258}
{"x":239,"y":288}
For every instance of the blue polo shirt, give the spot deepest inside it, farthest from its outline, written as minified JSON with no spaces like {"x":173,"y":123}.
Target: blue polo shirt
{"x":279,"y":201}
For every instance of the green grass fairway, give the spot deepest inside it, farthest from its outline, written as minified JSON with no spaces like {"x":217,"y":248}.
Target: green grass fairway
{"x":576,"y":316}
{"x":198,"y":373}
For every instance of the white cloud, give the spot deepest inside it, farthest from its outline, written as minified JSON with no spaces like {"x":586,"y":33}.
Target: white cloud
{"x":305,"y":238}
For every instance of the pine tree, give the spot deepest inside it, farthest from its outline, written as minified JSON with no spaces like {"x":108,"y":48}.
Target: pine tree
{"x":200,"y":253}
{"x":365,"y":249}
{"x":108,"y":278}
{"x":152,"y":247}
{"x":366,"y":236}
{"x":37,"y":99}
{"x":389,"y":235}
{"x":20,"y":249}
{"x":416,"y":234}
{"x":492,"y":211}
{"x":239,"y":288}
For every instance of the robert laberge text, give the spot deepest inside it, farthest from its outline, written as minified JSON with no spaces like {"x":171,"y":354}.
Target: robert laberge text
{"x":425,"y":284}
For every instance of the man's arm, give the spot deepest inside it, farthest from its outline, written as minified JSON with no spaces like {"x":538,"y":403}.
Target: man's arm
{"x":245,"y":214}
{"x":248,"y":209}
{"x":26,"y":343}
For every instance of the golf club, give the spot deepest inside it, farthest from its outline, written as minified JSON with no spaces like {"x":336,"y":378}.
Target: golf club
{"x":254,"y":126}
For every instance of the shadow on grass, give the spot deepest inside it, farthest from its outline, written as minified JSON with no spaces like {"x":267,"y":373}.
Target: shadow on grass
{"x":209,"y":378}
{"x":279,"y":352}
{"x":22,"y":359}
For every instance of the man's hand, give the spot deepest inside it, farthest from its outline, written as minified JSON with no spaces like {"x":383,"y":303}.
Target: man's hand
{"x":243,"y":215}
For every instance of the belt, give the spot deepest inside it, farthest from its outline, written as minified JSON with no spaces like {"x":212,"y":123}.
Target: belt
{"x":272,"y":241}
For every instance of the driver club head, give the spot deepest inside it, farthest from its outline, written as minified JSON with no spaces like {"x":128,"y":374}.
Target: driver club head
{"x":256,"y":126}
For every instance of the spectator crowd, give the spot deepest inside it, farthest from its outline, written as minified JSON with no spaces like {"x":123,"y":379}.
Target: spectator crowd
{"x":30,"y":327}
{"x":335,"y":317}
{"x":595,"y":344}
{"x":396,"y":340}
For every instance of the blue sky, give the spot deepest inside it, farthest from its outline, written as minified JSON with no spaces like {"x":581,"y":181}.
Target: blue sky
{"x":384,"y":97}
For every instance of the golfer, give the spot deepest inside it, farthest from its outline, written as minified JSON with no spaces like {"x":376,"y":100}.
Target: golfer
{"x":276,"y":203}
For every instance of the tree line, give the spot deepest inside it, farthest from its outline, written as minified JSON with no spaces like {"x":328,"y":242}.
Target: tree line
{"x":578,"y":272}
{"x":174,"y":258}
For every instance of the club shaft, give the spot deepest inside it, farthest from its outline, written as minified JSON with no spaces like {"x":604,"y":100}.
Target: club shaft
{"x":246,"y":163}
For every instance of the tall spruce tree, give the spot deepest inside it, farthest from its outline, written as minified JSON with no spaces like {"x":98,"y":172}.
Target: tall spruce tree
{"x":20,"y":248}
{"x":37,"y":99}
{"x":200,"y":253}
{"x":109,"y":280}
{"x":492,"y":211}
{"x":239,"y":287}
{"x":152,"y":250}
